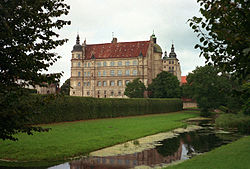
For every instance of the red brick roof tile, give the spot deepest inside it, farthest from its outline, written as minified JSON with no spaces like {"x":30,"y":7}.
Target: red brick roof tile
{"x":183,"y":79}
{"x":117,"y":50}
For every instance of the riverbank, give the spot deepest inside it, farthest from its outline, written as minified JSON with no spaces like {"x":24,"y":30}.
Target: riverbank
{"x":71,"y":139}
{"x":230,"y":156}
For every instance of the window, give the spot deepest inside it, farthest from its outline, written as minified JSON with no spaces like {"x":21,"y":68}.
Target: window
{"x":79,"y":56}
{"x":88,"y":93}
{"x":112,"y":93}
{"x":172,"y":62}
{"x":127,"y":81}
{"x":79,"y":74}
{"x":127,"y":72}
{"x":85,"y":83}
{"x":99,"y":73}
{"x":104,"y":83}
{"x":88,"y":73}
{"x":104,"y":63}
{"x":105,"y":92}
{"x":169,"y":68}
{"x":119,"y":93}
{"x":79,"y":83}
{"x":112,"y":83}
{"x":99,"y":83}
{"x":112,"y":73}
{"x":135,"y":62}
{"x":89,"y":64}
{"x":172,"y":68}
{"x":85,"y":73}
{"x":134,"y":72}
{"x":120,"y":63}
{"x":169,"y":62}
{"x":72,"y":55}
{"x":104,"y":73}
{"x":112,"y":63}
{"x":99,"y":64}
{"x":85,"y":64}
{"x":119,"y":83}
{"x":79,"y":64}
{"x":119,"y":72}
{"x":164,"y":61}
{"x":127,"y":63}
{"x":88,"y":84}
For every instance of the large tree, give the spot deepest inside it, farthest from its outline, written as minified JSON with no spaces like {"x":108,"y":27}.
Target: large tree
{"x":27,"y":31}
{"x":224,"y":34}
{"x":209,"y":89}
{"x":165,"y":85}
{"x":65,"y":88}
{"x":135,"y":89}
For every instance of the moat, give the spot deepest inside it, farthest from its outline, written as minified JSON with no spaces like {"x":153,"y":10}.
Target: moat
{"x":180,"y":147}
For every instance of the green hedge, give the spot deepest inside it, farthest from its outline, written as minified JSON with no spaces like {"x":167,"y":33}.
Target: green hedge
{"x":70,"y":108}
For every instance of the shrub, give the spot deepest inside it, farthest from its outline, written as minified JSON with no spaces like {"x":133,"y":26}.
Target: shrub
{"x":239,"y":121}
{"x":70,"y":108}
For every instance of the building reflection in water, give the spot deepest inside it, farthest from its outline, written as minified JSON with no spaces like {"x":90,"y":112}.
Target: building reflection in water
{"x":147,"y":157}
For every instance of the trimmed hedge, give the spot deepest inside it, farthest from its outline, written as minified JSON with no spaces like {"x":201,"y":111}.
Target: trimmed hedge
{"x":69,"y":108}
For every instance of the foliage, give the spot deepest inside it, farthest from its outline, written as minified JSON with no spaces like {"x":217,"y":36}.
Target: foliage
{"x":135,"y":89}
{"x":165,"y":85}
{"x":224,"y":32}
{"x":27,"y":37}
{"x":231,"y":121}
{"x":245,"y":99}
{"x":208,"y":88}
{"x":230,"y":156}
{"x":65,"y":88}
{"x":67,"y":140}
{"x":70,"y":108}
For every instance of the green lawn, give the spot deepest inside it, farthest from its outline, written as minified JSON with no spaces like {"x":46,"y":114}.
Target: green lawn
{"x":231,"y":156}
{"x":79,"y":138}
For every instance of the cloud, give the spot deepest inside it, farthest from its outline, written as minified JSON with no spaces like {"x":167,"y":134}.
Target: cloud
{"x":131,"y":20}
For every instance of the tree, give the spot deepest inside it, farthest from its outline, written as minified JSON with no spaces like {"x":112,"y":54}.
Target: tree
{"x":27,"y":31}
{"x":135,"y":89}
{"x":224,"y":33}
{"x":65,"y":89}
{"x":208,"y":88}
{"x":165,"y":85}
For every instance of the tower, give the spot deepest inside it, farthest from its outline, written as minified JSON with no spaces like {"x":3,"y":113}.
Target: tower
{"x":171,"y":64}
{"x":76,"y":80}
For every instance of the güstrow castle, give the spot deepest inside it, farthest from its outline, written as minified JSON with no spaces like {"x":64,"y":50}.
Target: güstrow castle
{"x":103,"y":70}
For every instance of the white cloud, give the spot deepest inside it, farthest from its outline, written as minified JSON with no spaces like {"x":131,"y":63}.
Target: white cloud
{"x":131,"y":20}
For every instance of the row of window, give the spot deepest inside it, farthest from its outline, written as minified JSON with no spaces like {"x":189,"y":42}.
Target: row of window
{"x":99,"y":64}
{"x":111,"y":73}
{"x":169,"y":68}
{"x":112,"y":93}
{"x":169,"y":62}
{"x":104,"y":83}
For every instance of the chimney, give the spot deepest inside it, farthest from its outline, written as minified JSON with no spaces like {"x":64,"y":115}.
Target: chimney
{"x":114,"y":40}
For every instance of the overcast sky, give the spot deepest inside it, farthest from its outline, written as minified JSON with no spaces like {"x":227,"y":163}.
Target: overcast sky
{"x":131,"y":20}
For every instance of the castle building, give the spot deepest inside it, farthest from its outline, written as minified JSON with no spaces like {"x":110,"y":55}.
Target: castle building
{"x":103,"y":70}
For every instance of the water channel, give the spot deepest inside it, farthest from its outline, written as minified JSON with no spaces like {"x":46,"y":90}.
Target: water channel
{"x":182,"y":146}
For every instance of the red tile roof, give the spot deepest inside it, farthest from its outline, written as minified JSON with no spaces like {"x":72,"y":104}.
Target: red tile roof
{"x":183,"y":79}
{"x":117,"y":50}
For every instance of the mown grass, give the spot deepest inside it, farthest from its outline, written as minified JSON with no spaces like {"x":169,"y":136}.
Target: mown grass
{"x":79,"y":138}
{"x":235,"y":155}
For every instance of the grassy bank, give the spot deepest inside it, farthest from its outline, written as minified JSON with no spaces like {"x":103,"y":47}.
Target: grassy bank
{"x":79,"y":138}
{"x":231,"y":156}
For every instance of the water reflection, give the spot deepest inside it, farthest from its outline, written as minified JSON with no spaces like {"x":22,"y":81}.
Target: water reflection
{"x":182,"y":147}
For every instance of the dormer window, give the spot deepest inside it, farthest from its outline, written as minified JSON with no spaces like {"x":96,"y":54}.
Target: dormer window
{"x":78,"y":56}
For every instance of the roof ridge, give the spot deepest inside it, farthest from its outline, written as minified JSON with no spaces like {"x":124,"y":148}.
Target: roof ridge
{"x":116,"y":43}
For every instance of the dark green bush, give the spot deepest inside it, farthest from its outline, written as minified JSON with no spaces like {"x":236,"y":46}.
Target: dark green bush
{"x":70,"y":108}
